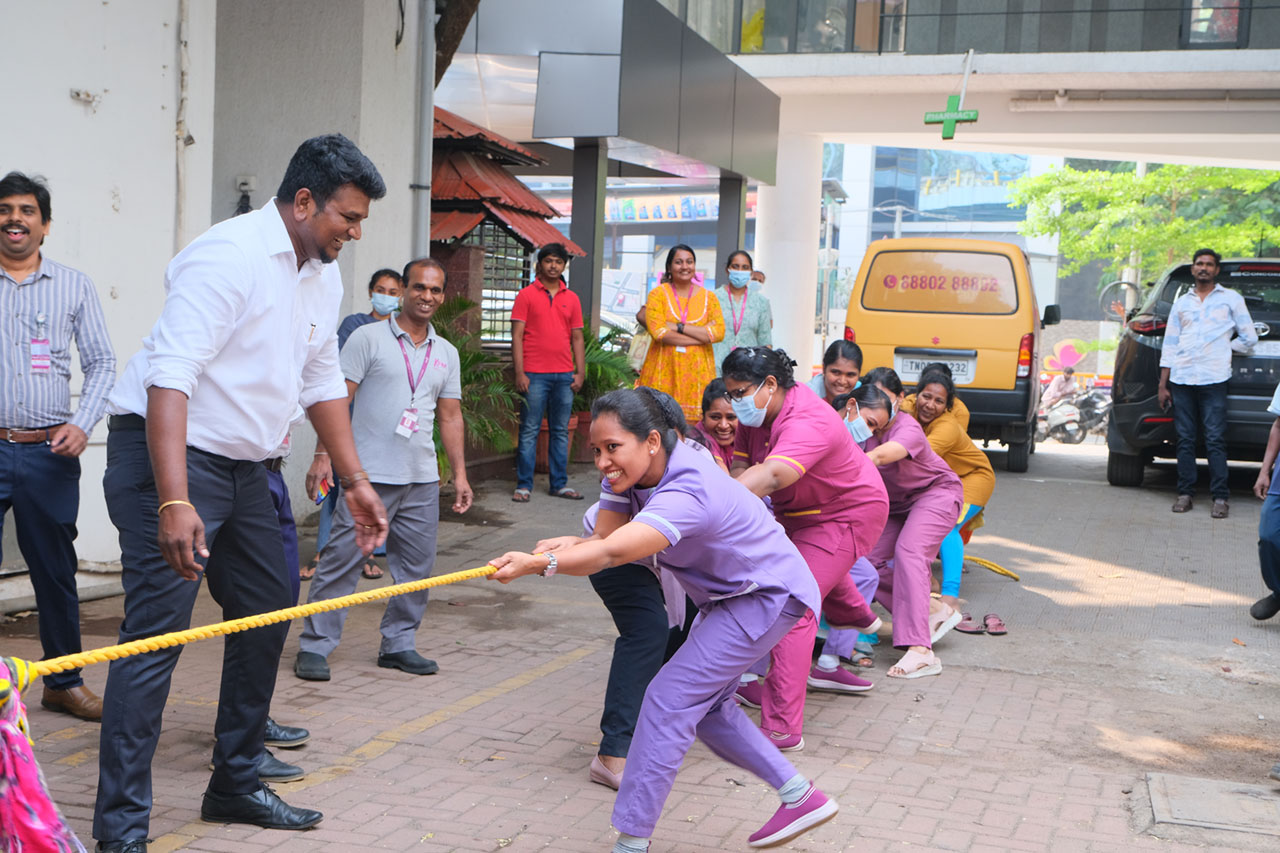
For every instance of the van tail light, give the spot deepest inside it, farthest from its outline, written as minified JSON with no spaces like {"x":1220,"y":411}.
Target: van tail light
{"x":1147,"y":324}
{"x":849,"y":335}
{"x":1024,"y":356}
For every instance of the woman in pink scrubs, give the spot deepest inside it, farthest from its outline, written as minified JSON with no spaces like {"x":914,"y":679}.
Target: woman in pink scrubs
{"x":924,"y":501}
{"x":826,"y":494}
{"x":719,"y":425}
{"x":750,"y":585}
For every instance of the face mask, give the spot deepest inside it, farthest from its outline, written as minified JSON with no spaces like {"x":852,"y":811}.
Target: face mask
{"x":745,"y":409}
{"x":739,"y":278}
{"x":858,"y":427}
{"x":384,"y":303}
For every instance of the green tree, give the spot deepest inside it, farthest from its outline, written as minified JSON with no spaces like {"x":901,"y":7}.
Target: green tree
{"x":1163,"y":216}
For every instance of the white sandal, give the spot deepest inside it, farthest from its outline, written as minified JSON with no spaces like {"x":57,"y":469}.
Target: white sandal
{"x":915,"y":665}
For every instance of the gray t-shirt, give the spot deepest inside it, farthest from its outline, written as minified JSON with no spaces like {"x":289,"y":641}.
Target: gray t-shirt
{"x":373,"y":359}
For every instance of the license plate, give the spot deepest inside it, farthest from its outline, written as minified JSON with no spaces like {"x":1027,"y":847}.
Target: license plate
{"x":1270,"y":349}
{"x":908,"y":369}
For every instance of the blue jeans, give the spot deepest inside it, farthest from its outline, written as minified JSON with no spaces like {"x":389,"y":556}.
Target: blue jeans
{"x":551,"y":393}
{"x":1269,"y":543}
{"x":1195,"y":408}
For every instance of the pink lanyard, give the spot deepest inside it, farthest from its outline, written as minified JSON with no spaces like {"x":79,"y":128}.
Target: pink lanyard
{"x":684,"y":315}
{"x":737,"y":319}
{"x":408,"y":369}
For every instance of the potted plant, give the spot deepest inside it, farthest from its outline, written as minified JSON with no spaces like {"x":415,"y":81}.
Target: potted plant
{"x":490,"y":403}
{"x":607,"y":370}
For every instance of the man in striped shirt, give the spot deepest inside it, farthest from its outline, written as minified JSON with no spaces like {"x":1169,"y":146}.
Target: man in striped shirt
{"x":44,"y":306}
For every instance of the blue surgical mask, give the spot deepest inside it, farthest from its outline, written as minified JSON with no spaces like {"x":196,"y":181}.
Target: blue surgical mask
{"x":858,"y":427}
{"x":384,"y":303}
{"x":745,"y":409}
{"x":739,"y":278}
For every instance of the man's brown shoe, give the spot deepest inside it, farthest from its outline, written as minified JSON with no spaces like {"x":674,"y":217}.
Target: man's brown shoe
{"x":78,"y":701}
{"x":1182,"y":504}
{"x":1220,"y":509}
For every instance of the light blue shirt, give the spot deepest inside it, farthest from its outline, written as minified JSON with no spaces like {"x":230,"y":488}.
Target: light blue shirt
{"x":1197,"y":343}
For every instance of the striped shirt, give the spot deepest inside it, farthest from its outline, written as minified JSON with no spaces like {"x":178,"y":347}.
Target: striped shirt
{"x":59,"y":304}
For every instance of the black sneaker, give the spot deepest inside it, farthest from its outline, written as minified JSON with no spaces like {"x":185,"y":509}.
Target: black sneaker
{"x":410,"y":662}
{"x":1265,"y":608}
{"x":285,"y":737}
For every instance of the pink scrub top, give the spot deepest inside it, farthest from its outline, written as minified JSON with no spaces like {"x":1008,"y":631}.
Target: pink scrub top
{"x":838,"y":483}
{"x":921,"y":471}
{"x":724,"y":454}
{"x":724,"y":546}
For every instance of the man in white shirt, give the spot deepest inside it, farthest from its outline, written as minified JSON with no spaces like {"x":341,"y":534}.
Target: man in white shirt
{"x":1195,"y":364}
{"x":402,"y":377}
{"x":1060,"y":386}
{"x":248,"y":333}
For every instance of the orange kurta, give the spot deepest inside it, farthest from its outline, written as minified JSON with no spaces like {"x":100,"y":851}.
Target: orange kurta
{"x":681,"y":371}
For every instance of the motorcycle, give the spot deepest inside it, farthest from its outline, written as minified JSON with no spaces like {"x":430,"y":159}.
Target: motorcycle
{"x":1094,"y":407}
{"x":1061,"y":421}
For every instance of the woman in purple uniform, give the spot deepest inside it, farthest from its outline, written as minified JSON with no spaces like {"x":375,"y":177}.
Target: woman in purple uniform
{"x":749,"y":583}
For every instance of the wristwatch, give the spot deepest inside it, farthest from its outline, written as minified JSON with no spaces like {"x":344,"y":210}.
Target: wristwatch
{"x":680,"y":328}
{"x":552,"y":564}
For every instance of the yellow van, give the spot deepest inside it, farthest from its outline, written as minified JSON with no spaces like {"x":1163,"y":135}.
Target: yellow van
{"x":968,"y":303}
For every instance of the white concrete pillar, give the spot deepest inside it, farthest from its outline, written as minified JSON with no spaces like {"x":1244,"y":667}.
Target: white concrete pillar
{"x":787,"y":225}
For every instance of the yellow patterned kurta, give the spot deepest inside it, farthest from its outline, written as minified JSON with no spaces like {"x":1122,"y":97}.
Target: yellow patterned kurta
{"x":683,"y":375}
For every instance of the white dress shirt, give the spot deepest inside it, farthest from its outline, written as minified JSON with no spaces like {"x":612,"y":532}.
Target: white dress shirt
{"x":1197,"y":342}
{"x":245,"y":334}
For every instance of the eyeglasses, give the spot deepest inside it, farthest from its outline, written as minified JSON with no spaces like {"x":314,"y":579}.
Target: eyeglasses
{"x":741,"y":392}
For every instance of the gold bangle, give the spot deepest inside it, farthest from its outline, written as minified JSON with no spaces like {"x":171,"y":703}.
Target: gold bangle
{"x":173,"y":503}
{"x":348,"y":482}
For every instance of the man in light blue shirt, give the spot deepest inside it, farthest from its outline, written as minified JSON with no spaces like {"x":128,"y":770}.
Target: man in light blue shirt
{"x":1195,"y":364}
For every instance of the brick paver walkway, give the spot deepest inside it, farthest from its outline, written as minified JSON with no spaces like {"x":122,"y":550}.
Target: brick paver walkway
{"x":1120,"y":660}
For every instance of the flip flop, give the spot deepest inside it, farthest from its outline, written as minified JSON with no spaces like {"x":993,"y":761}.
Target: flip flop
{"x":968,"y":626}
{"x":995,"y":625}
{"x":915,"y":665}
{"x":568,"y":494}
{"x":861,"y":659}
{"x":371,"y":571}
{"x":520,"y":496}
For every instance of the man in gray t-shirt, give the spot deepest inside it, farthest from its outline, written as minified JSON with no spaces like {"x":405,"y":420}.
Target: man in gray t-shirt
{"x":402,"y":377}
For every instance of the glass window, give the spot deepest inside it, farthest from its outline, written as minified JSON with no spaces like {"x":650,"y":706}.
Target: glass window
{"x":506,"y":270}
{"x":941,"y":283}
{"x":1215,"y":23}
{"x":823,"y":26}
{"x":768,"y":26}
{"x":713,"y":20}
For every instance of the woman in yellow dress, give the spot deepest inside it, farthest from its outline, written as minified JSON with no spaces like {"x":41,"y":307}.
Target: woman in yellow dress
{"x":684,"y":320}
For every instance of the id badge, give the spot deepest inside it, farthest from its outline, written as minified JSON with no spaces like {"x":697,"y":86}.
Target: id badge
{"x":681,"y":349}
{"x":408,"y":423}
{"x":40,"y":355}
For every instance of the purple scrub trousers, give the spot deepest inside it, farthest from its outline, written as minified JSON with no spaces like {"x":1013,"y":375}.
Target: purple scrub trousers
{"x":911,"y":541}
{"x":692,"y":696}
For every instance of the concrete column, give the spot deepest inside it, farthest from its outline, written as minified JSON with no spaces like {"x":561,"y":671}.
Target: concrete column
{"x":590,"y":159}
{"x":731,"y":228}
{"x":787,"y":227}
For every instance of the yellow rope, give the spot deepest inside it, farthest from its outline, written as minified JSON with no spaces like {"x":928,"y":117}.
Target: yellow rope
{"x":181,"y":638}
{"x":995,"y":567}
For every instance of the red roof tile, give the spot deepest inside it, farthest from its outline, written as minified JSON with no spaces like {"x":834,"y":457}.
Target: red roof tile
{"x":534,"y":229}
{"x":463,"y":176}
{"x":453,"y":126}
{"x":452,"y":224}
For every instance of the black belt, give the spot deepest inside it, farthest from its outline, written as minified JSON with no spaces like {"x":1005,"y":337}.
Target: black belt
{"x":274,"y":464}
{"x":138,"y":422}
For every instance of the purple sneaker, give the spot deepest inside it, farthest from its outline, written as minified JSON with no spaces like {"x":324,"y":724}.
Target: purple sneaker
{"x":750,"y":693}
{"x":839,"y":680}
{"x":785,"y":742}
{"x":792,"y":819}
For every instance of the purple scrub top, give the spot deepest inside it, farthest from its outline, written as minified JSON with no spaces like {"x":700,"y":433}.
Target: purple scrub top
{"x":921,"y":471}
{"x":724,"y":545}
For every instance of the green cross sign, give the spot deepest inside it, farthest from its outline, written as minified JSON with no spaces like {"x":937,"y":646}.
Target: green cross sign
{"x":948,"y":117}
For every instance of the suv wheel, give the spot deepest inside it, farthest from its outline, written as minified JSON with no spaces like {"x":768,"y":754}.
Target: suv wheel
{"x":1124,"y":470}
{"x":1019,"y":455}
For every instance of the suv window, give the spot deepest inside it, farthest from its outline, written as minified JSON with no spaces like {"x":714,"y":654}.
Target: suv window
{"x":1257,"y":281}
{"x":941,"y":283}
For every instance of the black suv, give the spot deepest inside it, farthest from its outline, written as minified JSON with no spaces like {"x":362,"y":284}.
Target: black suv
{"x":1140,"y":430}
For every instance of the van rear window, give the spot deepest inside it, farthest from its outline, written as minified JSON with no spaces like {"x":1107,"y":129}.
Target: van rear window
{"x":941,"y":282}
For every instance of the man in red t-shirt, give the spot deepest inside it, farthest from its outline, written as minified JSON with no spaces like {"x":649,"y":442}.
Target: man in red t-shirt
{"x":550,"y":363}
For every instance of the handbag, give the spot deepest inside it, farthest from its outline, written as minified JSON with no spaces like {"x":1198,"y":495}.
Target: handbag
{"x":639,"y":350}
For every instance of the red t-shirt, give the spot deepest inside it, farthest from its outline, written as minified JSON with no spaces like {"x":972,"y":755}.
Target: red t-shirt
{"x":549,"y":319}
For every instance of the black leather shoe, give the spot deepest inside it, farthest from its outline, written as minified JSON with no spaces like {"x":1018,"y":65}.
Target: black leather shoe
{"x":261,"y":808}
{"x":137,"y":845}
{"x":311,"y":667}
{"x":272,"y":769}
{"x":410,"y":662}
{"x":1265,"y":608}
{"x":285,"y":737}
